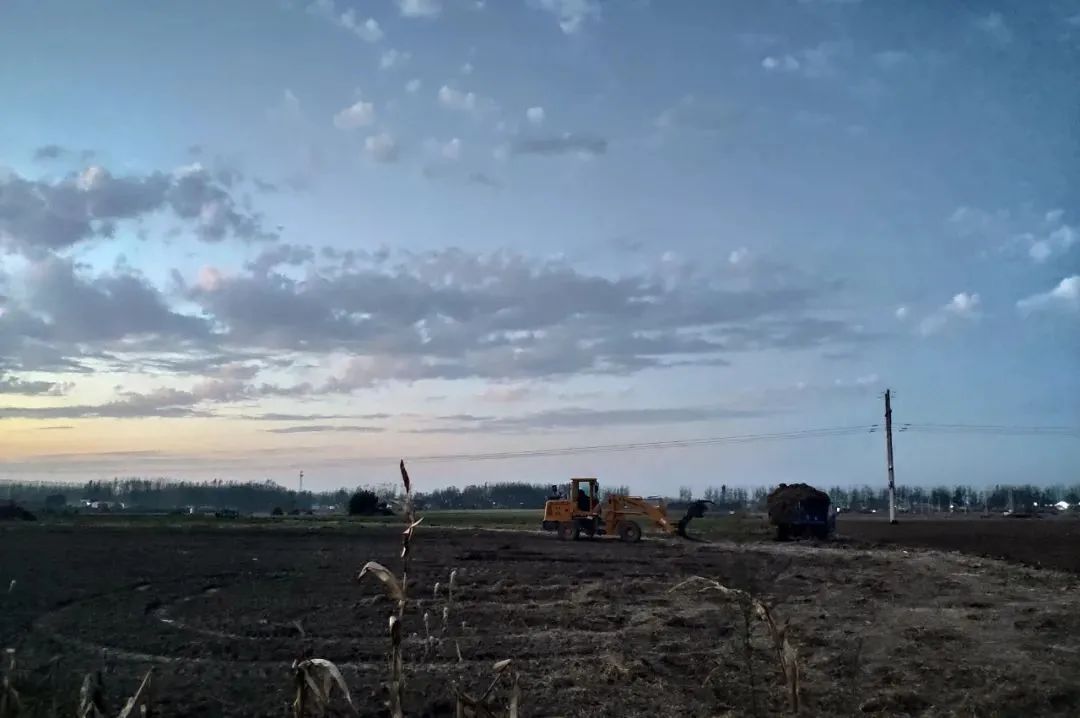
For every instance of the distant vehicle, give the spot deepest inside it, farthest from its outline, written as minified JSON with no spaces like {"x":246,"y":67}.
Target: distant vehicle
{"x":799,"y":510}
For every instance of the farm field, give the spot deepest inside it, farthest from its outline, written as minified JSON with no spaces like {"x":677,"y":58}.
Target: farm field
{"x":221,"y":611}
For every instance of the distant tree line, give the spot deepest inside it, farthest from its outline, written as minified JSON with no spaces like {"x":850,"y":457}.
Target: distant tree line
{"x":261,"y":497}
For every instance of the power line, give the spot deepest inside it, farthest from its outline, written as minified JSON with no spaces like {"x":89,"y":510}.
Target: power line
{"x":993,"y":429}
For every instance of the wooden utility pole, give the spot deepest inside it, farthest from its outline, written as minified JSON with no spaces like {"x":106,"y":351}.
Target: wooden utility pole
{"x":889,"y":456}
{"x":302,"y":480}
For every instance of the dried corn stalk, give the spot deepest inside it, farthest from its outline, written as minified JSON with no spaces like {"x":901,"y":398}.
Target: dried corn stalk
{"x":786,"y":655}
{"x":315,"y":679}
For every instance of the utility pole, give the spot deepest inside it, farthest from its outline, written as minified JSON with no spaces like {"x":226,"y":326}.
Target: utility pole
{"x":889,"y":456}
{"x":302,"y":480}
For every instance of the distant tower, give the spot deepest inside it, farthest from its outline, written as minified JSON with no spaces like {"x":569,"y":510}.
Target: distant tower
{"x":301,"y":482}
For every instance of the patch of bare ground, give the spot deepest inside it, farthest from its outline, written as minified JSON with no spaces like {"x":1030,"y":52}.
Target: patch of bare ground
{"x":592,"y":626}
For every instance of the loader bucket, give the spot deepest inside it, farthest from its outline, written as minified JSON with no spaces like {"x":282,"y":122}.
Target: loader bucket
{"x":696,"y":510}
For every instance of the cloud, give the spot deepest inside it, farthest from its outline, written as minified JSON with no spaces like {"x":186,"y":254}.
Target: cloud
{"x":561,"y":145}
{"x":781,"y":63}
{"x":1041,"y":237}
{"x":39,"y":215}
{"x":419,"y":8}
{"x":700,"y":115}
{"x":994,"y":26}
{"x":1057,"y":241}
{"x":1064,"y":297}
{"x":581,"y":418}
{"x":392,"y":58}
{"x":814,"y":62}
{"x":49,"y":152}
{"x":413,"y":86}
{"x":322,"y":428}
{"x":891,"y":59}
{"x":359,"y":114}
{"x":572,"y":14}
{"x":483,"y":179}
{"x":362,"y":319}
{"x":962,"y":306}
{"x":902,"y":313}
{"x":535,"y":115}
{"x":288,"y":254}
{"x":451,"y":150}
{"x":456,"y":99}
{"x":454,"y":315}
{"x":15,"y":385}
{"x":381,"y":147}
{"x":367,"y":30}
{"x":273,"y":416}
{"x":738,"y":256}
{"x":509,"y":394}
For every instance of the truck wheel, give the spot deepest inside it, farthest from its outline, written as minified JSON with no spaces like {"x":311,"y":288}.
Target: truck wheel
{"x":783,"y":532}
{"x":629,"y":532}
{"x":567,"y":531}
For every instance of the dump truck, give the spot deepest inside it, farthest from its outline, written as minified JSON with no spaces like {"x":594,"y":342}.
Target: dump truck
{"x":580,"y":511}
{"x":800,"y":510}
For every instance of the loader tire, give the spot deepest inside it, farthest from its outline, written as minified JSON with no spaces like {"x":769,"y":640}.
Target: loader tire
{"x":568,"y":531}
{"x":629,"y":532}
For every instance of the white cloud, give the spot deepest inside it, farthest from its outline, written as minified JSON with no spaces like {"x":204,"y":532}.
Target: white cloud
{"x":1064,"y":297}
{"x":784,"y":63}
{"x":467,"y":68}
{"x":962,"y":307}
{"x":813,"y":62}
{"x":963,"y":304}
{"x":995,"y":27}
{"x":419,"y":8}
{"x":392,"y":58}
{"x":739,"y":255}
{"x":359,"y":114}
{"x":535,"y":115}
{"x":902,"y":313}
{"x":456,"y":99}
{"x":1057,"y":241}
{"x":413,"y":85}
{"x":368,"y":30}
{"x":381,"y":147}
{"x":572,"y":14}
{"x":451,"y":150}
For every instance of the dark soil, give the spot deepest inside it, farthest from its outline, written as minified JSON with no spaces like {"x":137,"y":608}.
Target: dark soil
{"x":592,"y":627}
{"x":1039,"y":542}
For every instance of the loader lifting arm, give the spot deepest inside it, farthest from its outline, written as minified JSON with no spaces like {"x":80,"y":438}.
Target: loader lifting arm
{"x":622,"y":509}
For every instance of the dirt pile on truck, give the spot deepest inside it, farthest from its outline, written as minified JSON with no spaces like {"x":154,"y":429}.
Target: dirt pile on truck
{"x":800,"y":509}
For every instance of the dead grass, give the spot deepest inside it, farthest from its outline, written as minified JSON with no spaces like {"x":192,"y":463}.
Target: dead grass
{"x":787,"y":658}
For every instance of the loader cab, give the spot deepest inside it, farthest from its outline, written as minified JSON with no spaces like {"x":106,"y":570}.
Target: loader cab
{"x":580,"y":502}
{"x":585,"y":493}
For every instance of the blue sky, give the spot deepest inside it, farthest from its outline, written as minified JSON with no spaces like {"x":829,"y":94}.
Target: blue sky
{"x":239,"y":239}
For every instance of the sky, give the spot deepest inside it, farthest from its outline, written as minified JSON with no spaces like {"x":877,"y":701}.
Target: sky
{"x":240,"y":240}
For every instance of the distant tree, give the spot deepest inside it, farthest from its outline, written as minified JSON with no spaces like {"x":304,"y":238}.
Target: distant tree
{"x":615,"y":490}
{"x":278,"y":511}
{"x":363,"y":503}
{"x":55,"y":502}
{"x":686,"y":494}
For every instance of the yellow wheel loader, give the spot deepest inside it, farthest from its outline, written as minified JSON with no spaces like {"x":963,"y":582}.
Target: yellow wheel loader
{"x":581,"y":511}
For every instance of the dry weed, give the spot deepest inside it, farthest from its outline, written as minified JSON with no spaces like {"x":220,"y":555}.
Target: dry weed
{"x":10,"y":705}
{"x":786,"y":656}
{"x":315,"y":679}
